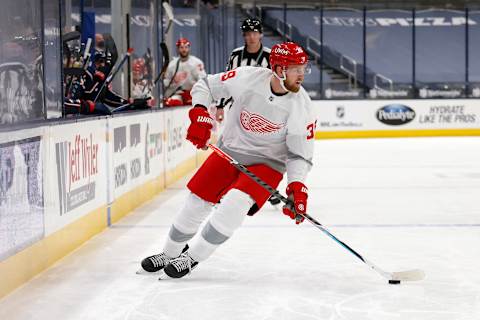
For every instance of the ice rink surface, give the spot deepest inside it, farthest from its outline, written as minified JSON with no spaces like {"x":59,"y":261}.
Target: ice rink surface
{"x":402,"y":203}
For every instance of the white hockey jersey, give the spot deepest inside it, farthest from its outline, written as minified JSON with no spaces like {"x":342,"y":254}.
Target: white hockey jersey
{"x":187,"y":73}
{"x":262,"y":127}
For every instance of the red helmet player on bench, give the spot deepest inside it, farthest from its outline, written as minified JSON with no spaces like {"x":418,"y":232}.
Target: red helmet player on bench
{"x":181,"y":75}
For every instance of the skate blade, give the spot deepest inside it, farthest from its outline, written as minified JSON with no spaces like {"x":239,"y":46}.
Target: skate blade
{"x":143,"y":272}
{"x":164,"y":276}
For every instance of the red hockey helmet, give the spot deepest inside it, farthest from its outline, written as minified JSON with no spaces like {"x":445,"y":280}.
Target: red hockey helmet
{"x":286,"y":54}
{"x":183,"y":41}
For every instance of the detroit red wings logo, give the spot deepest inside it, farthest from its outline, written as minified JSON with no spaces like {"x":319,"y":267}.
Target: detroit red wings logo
{"x":256,"y":123}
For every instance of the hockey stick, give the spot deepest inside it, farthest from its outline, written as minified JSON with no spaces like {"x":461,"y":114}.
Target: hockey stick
{"x":129,"y":106}
{"x":392,"y":277}
{"x":165,"y":88}
{"x":111,"y":75}
{"x":169,"y":14}
{"x":165,"y":63}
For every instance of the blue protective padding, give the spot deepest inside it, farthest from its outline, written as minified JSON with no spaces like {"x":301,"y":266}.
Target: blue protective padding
{"x":88,"y":29}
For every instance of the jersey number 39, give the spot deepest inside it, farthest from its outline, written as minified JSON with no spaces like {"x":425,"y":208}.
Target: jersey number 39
{"x":228,"y":75}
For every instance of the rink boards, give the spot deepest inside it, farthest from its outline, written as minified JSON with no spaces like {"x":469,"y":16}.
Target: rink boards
{"x":66,"y":182}
{"x":396,"y":118}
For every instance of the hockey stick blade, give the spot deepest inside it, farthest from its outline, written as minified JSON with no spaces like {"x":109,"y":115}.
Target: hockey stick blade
{"x":408,"y":275}
{"x":167,"y":8}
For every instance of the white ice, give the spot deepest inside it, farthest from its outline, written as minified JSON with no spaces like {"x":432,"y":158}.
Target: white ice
{"x":402,"y":203}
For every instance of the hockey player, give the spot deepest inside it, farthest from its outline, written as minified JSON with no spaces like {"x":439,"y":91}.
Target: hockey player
{"x":270,"y":130}
{"x":182,"y":73}
{"x":253,"y":53}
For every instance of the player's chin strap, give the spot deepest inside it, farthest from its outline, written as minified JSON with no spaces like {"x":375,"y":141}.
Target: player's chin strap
{"x":282,"y":79}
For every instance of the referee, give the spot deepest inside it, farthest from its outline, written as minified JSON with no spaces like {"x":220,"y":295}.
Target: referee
{"x":253,"y":53}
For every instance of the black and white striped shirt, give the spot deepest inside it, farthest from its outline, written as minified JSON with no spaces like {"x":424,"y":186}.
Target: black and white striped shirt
{"x":241,"y":57}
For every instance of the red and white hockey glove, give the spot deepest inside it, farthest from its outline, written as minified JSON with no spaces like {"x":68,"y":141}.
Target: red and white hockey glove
{"x":201,"y":124}
{"x":297,"y":192}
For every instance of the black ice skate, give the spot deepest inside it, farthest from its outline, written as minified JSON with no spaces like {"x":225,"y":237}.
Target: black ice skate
{"x":157,"y":262}
{"x":180,"y":266}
